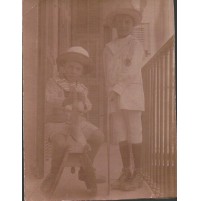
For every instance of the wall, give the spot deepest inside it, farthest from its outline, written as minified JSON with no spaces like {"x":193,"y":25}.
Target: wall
{"x":30,"y":63}
{"x":160,"y":15}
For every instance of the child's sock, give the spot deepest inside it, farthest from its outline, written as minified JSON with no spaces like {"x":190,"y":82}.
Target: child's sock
{"x":137,"y":154}
{"x":125,"y":154}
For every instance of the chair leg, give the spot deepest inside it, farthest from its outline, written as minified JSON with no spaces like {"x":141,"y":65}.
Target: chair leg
{"x":59,"y":174}
{"x":90,"y":179}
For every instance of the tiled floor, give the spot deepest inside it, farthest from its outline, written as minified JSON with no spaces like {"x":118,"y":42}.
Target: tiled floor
{"x":70,"y":188}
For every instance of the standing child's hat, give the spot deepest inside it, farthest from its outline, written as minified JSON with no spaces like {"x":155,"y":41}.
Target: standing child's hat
{"x":125,"y":10}
{"x":76,"y":54}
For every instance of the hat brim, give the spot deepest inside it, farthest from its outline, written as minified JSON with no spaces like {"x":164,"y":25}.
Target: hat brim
{"x":75,"y":57}
{"x":135,"y":14}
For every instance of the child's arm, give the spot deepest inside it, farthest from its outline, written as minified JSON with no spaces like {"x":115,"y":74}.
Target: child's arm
{"x":53,"y":106}
{"x":84,"y":102}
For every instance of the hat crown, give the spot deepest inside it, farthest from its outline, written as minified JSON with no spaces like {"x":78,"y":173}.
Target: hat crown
{"x":125,"y":7}
{"x":78,"y":50}
{"x":124,"y":4}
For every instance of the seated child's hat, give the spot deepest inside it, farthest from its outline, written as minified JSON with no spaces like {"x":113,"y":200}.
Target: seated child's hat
{"x":130,"y":11}
{"x":76,"y":54}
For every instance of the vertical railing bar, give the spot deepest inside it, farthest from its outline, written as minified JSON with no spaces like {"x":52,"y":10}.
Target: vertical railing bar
{"x":165,"y":124}
{"x":162,"y":124}
{"x":168,"y":127}
{"x":158,"y":123}
{"x":171,"y":97}
{"x":174,"y":130}
{"x":170,"y":123}
{"x":144,"y":126}
{"x":155,"y":129}
{"x":152,"y":125}
{"x":147,"y":115}
{"x":146,"y":118}
{"x":149,"y":123}
{"x":145,"y":121}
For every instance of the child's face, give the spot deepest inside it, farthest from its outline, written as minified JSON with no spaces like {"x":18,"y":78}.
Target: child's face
{"x":124,"y":25}
{"x":72,"y":71}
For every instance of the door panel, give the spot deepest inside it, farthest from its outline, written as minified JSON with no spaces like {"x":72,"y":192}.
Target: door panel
{"x":86,"y":26}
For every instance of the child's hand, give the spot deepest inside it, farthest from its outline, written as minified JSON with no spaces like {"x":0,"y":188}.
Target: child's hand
{"x":113,"y":95}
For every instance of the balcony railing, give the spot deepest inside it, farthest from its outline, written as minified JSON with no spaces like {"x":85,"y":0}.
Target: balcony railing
{"x":159,"y":122}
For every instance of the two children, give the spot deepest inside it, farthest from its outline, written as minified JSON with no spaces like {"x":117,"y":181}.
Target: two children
{"x":60,"y":93}
{"x":122,"y":61}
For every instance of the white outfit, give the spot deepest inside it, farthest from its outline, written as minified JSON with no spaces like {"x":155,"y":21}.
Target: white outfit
{"x":126,"y":126}
{"x":55,"y":90}
{"x":123,"y":61}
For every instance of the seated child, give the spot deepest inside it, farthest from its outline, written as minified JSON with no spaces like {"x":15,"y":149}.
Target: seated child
{"x":67,"y":102}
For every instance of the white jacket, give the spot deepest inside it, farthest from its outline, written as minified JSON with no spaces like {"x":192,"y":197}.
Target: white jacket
{"x":122,"y":63}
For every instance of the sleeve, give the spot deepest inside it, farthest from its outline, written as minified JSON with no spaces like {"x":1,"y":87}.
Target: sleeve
{"x":84,"y":106}
{"x":50,"y":92}
{"x":88,"y":104}
{"x":130,"y":76}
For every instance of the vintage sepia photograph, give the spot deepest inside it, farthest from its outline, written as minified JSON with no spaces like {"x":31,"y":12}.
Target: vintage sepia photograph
{"x":99,"y":100}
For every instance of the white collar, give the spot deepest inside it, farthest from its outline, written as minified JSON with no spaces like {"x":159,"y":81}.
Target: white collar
{"x":120,"y":43}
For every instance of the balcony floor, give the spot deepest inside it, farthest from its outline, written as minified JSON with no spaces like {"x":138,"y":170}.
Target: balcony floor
{"x":76,"y":189}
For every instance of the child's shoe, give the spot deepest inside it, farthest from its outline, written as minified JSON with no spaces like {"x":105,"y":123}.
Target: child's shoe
{"x":92,"y":191}
{"x":125,"y":176}
{"x":82,"y":177}
{"x":135,"y":182}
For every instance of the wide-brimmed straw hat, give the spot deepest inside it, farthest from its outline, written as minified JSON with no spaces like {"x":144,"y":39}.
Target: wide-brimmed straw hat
{"x":132,"y":12}
{"x":76,"y":54}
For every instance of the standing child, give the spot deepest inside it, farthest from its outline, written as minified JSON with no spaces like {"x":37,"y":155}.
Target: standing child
{"x":60,"y":93}
{"x":122,"y":61}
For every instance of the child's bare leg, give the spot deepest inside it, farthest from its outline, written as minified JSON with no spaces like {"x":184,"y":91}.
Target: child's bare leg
{"x":95,"y":141}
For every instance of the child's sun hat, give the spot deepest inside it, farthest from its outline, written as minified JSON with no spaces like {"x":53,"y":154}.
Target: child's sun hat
{"x":124,"y":9}
{"x":76,"y":54}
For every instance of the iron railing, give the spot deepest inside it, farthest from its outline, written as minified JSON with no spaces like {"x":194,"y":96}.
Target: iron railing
{"x":159,"y":122}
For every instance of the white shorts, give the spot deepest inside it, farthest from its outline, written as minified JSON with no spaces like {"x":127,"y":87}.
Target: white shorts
{"x":126,"y":125}
{"x":52,"y":129}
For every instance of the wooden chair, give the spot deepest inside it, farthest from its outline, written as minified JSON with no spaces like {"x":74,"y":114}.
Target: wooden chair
{"x":76,"y":157}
